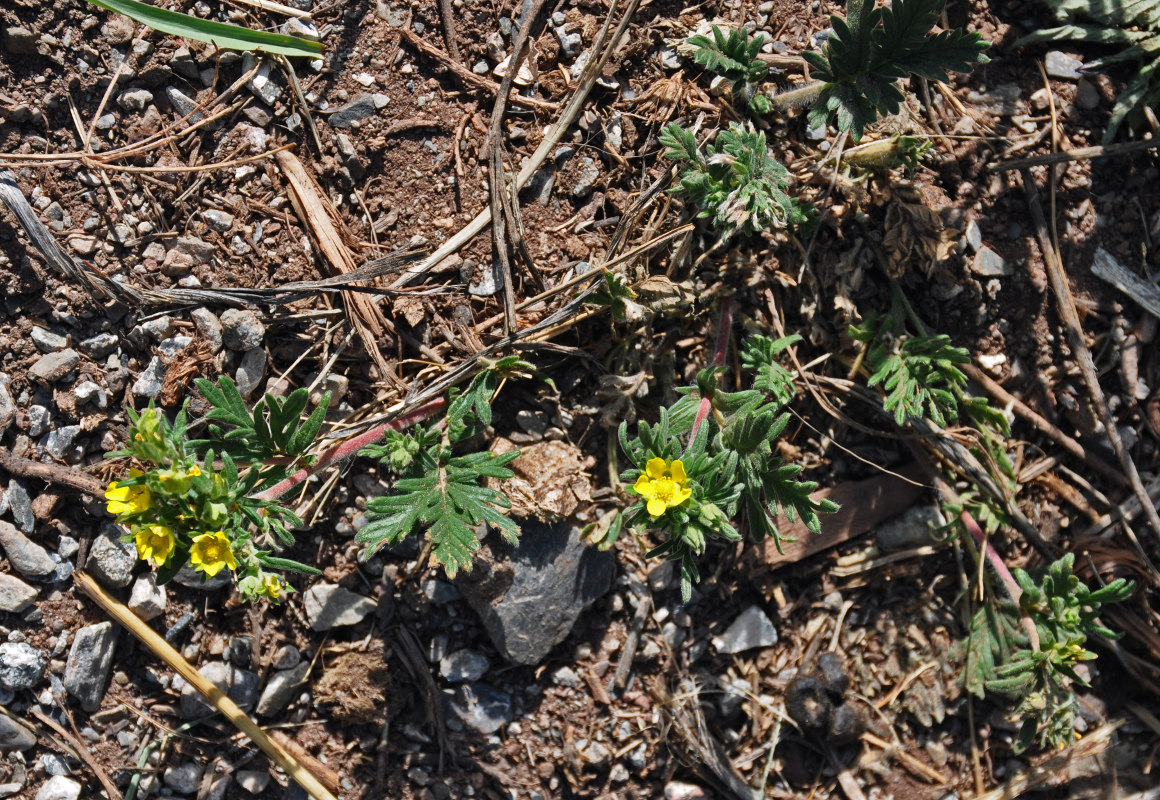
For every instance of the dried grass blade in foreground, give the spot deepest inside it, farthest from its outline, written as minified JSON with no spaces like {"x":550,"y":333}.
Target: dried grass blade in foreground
{"x":319,"y":216}
{"x":212,"y":694}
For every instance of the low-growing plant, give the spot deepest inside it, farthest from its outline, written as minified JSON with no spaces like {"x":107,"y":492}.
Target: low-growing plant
{"x":1133,"y":27}
{"x":735,"y":181}
{"x":710,"y":459}
{"x":733,"y":55}
{"x":1028,"y":648}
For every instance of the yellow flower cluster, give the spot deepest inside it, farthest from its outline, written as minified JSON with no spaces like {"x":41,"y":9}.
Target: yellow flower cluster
{"x":663,"y":485}
{"x":128,"y":499}
{"x":210,"y":552}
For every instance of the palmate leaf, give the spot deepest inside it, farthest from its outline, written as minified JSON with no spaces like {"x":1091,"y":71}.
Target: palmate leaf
{"x":274,"y":428}
{"x":734,"y":56}
{"x":450,"y":503}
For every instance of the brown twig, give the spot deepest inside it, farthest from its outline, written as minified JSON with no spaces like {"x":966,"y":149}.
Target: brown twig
{"x":57,"y":474}
{"x":81,"y":750}
{"x":1077,"y":154}
{"x":447,"y":17}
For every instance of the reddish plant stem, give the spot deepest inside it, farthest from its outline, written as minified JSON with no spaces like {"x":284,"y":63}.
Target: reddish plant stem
{"x":992,"y":558}
{"x":352,"y":446}
{"x":724,"y":324}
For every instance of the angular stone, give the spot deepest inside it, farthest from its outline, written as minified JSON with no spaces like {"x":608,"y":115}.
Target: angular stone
{"x":59,"y":787}
{"x":241,"y":329}
{"x":911,"y":528}
{"x":240,"y":685}
{"x":751,"y":629}
{"x":330,"y":606}
{"x":147,"y":600}
{"x":360,"y":108}
{"x":250,"y":371}
{"x":52,"y":367}
{"x":550,"y":569}
{"x":252,"y":780}
{"x":151,"y":380}
{"x":183,"y":778}
{"x":990,"y":264}
{"x":135,"y":99}
{"x":1061,"y":65}
{"x":26,"y":556}
{"x":14,"y":737}
{"x":220,"y":221}
{"x":281,"y":689}
{"x":112,"y":560}
{"x":21,"y":504}
{"x":59,"y":441}
{"x":464,"y":666}
{"x":480,"y":707}
{"x":208,"y":326}
{"x":89,"y":662}
{"x":100,"y":346}
{"x":46,"y":341}
{"x":20,"y":41}
{"x":15,"y":594}
{"x":191,"y":578}
{"x":21,"y":666}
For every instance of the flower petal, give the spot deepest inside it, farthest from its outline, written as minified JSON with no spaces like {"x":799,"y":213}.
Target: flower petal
{"x":656,"y":507}
{"x":644,"y":487}
{"x":678,"y":472}
{"x":681,"y":496}
{"x":656,"y":468}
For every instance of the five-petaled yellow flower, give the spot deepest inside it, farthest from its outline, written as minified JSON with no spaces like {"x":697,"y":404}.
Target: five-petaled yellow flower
{"x":154,"y":544}
{"x":272,"y":586}
{"x":210,"y":552}
{"x":128,"y":499}
{"x":663,"y":485}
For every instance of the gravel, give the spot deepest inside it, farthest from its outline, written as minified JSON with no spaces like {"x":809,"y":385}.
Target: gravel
{"x":112,"y":560}
{"x":241,"y":329}
{"x":59,"y":787}
{"x":750,"y":630}
{"x":89,"y":662}
{"x":21,"y":666}
{"x":281,"y":689}
{"x":135,"y":99}
{"x":147,"y":600}
{"x":52,"y":367}
{"x":46,"y":341}
{"x":250,"y":371}
{"x":26,"y":556}
{"x":14,"y":737}
{"x":464,"y":666}
{"x":15,"y":594}
{"x":240,"y":685}
{"x":183,"y":778}
{"x":329,"y":606}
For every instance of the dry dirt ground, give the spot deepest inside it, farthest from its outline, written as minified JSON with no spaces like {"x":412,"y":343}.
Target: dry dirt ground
{"x":392,"y":123}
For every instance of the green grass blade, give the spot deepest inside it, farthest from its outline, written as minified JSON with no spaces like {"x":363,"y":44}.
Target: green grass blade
{"x":230,"y":37}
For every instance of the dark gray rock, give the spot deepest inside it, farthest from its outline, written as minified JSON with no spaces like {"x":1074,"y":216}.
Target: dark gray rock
{"x":39,"y":418}
{"x":59,"y":441}
{"x":14,"y":737}
{"x":151,"y":380}
{"x":241,"y":329}
{"x":990,"y":264}
{"x":329,"y":606}
{"x":286,"y":657}
{"x":464,"y":666}
{"x":362,"y":107}
{"x":26,"y":556}
{"x":250,"y":371}
{"x":15,"y":594}
{"x":183,"y":778}
{"x":751,"y":629}
{"x":479,"y":707}
{"x":911,"y":528}
{"x":112,"y":560}
{"x":510,"y":588}
{"x":21,"y":666}
{"x":52,"y":367}
{"x":89,"y":661}
{"x":100,"y":346}
{"x":21,"y":506}
{"x":281,"y":689}
{"x":47,"y":341}
{"x":1061,"y":65}
{"x":191,"y":578}
{"x":240,"y":685}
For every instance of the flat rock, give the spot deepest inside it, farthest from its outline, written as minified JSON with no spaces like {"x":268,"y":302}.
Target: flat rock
{"x":151,"y":380}
{"x":240,"y":685}
{"x":464,"y":666}
{"x":26,"y":556}
{"x":189,"y":577}
{"x":47,"y":341}
{"x":59,"y":787}
{"x":281,"y":689}
{"x":510,"y":588}
{"x":135,"y":99}
{"x":112,"y":560}
{"x":15,"y":594}
{"x":20,"y":41}
{"x":252,"y":780}
{"x":911,"y":528}
{"x":362,"y":107}
{"x":59,"y":441}
{"x":147,"y":600}
{"x":21,"y":666}
{"x":183,"y":778}
{"x":330,"y":606}
{"x":990,"y":264}
{"x":751,"y":629}
{"x":241,"y":329}
{"x":14,"y":737}
{"x":51,"y":367}
{"x":21,"y":506}
{"x":250,"y":371}
{"x":480,"y":707}
{"x":100,"y":346}
{"x":1061,"y":65}
{"x":89,"y":662}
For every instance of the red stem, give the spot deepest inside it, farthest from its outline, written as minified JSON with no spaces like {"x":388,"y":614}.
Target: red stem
{"x":1004,"y":574}
{"x":352,"y":446}
{"x":724,"y":324}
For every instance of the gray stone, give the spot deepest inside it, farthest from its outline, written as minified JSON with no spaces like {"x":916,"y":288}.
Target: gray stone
{"x":54,"y":764}
{"x":59,"y":787}
{"x":488,"y":283}
{"x":52,"y":367}
{"x":39,"y":418}
{"x":250,"y":371}
{"x":202,"y":251}
{"x":241,"y":329}
{"x":479,"y":707}
{"x":973,"y":236}
{"x":362,"y":107}
{"x":220,"y":221}
{"x":464,"y":665}
{"x":589,"y":174}
{"x":135,"y":99}
{"x":150,"y":332}
{"x":1001,"y":100}
{"x":510,"y":588}
{"x":990,"y":264}
{"x":240,"y":685}
{"x":184,"y":64}
{"x":570,"y":43}
{"x":1087,"y":96}
{"x":183,"y":778}
{"x":281,"y":688}
{"x":440,"y":592}
{"x":7,"y":404}
{"x":14,"y":737}
{"x":567,"y":677}
{"x":252,"y":780}
{"x":21,"y":666}
{"x":147,"y":600}
{"x":26,"y":556}
{"x":90,"y":392}
{"x":15,"y":594}
{"x":183,"y":104}
{"x":911,"y":528}
{"x":286,"y":657}
{"x":21,"y":506}
{"x":173,"y":345}
{"x":191,"y":578}
{"x":597,"y":754}
{"x":262,"y":85}
{"x":330,"y":606}
{"x":111,"y":560}
{"x":751,"y":629}
{"x":20,"y":41}
{"x":669,"y":59}
{"x":89,"y":662}
{"x":46,"y":341}
{"x":1061,"y":65}
{"x":301,"y":29}
{"x":151,"y":380}
{"x":100,"y":346}
{"x":60,"y":440}
{"x":208,"y":326}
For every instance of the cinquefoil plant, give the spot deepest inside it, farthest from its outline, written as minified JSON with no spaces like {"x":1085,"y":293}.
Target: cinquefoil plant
{"x":733,"y":56}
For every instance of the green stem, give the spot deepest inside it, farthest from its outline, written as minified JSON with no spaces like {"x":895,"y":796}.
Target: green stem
{"x":797,"y":98}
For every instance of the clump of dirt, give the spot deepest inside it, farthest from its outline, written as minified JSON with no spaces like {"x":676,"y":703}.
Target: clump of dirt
{"x":353,"y":688}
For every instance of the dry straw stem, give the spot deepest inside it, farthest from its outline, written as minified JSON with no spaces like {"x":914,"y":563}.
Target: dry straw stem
{"x":212,"y":694}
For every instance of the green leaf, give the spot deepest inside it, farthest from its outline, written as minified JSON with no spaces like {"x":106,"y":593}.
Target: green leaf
{"x":229,"y":37}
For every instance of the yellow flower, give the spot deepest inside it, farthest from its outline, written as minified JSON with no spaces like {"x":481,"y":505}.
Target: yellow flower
{"x":128,"y":499}
{"x":663,"y":485}
{"x":154,"y":544}
{"x":210,"y":552}
{"x":178,"y":480}
{"x":272,"y":586}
